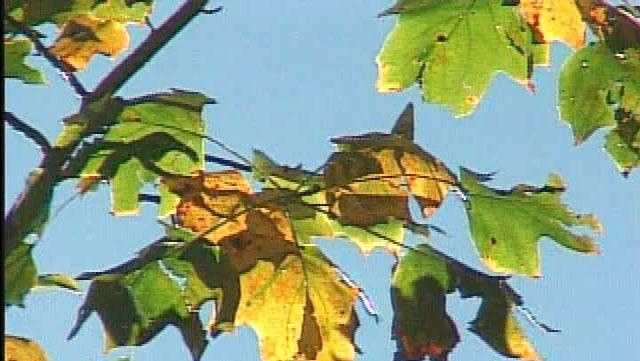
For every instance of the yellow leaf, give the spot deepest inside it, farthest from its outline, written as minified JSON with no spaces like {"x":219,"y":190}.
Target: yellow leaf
{"x":299,"y":309}
{"x":554,"y":20}
{"x":22,"y":349}
{"x":86,"y":35}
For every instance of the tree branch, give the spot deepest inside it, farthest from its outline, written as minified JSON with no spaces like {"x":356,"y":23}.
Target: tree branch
{"x":67,"y":72}
{"x":28,"y":131}
{"x":33,"y":201}
{"x":150,"y":46}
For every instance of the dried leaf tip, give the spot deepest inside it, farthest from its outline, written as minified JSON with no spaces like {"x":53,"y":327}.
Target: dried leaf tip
{"x":405,"y":124}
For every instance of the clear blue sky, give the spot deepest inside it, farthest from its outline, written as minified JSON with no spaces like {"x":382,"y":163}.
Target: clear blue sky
{"x":289,"y":75}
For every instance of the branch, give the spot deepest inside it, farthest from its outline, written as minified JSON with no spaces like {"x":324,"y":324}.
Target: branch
{"x":35,"y":196}
{"x":28,"y":131}
{"x":66,"y":71}
{"x":149,"y":47}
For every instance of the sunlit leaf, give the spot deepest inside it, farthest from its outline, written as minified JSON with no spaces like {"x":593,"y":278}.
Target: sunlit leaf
{"x":369,"y":173}
{"x":421,"y":282}
{"x":506,"y":225}
{"x":163,"y":286}
{"x":599,"y":88}
{"x":452,"y":49}
{"x":22,"y":349}
{"x":20,"y":274}
{"x":88,"y":27}
{"x":85,"y":36}
{"x":152,"y":136}
{"x":299,"y":308}
{"x":36,"y":12}
{"x":555,"y":21}
{"x":15,"y":52}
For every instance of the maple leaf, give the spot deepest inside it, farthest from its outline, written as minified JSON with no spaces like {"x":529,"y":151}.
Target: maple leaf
{"x":432,"y":45}
{"x":148,"y":137}
{"x":88,"y":27}
{"x":369,"y":171}
{"x":85,"y":36}
{"x":22,"y":349}
{"x":36,"y":12}
{"x":421,"y":281}
{"x":179,"y":278}
{"x":221,"y":208}
{"x":600,"y":88}
{"x":506,"y":225}
{"x":15,"y":52}
{"x":555,"y":21}
{"x":299,"y":308}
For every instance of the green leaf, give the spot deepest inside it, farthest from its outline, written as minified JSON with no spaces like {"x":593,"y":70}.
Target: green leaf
{"x":36,"y":12}
{"x":15,"y":52}
{"x":506,"y":225}
{"x":420,"y":284}
{"x":164,"y":286}
{"x":152,"y":136}
{"x":432,"y":45}
{"x":600,"y":89}
{"x":20,"y":274}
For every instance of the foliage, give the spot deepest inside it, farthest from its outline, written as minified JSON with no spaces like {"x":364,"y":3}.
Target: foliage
{"x":249,"y":244}
{"x":432,"y":46}
{"x":22,"y":349}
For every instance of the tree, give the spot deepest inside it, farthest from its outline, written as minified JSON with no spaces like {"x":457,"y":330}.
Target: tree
{"x":236,"y":242}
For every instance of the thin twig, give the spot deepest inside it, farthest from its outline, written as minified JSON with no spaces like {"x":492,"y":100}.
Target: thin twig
{"x":66,"y":71}
{"x":29,"y":131}
{"x":227,"y":162}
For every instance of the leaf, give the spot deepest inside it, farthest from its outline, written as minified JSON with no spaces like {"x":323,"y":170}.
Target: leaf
{"x":58,"y":280}
{"x":22,"y":349}
{"x":220,"y":207}
{"x":555,"y":21}
{"x":89,"y":27}
{"x":421,"y":282}
{"x":20,"y":274}
{"x":507,"y":224}
{"x":299,"y":308}
{"x":15,"y":52}
{"x":151,"y":136}
{"x":36,"y":12}
{"x":86,"y":35}
{"x":163,"y":286}
{"x":369,"y":170}
{"x":432,"y":45}
{"x":601,"y":89}
{"x":362,"y":193}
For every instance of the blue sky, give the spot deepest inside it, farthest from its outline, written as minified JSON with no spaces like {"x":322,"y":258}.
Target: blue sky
{"x":289,"y":75}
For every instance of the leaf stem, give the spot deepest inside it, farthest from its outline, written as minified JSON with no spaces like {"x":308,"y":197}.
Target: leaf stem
{"x":227,"y":162}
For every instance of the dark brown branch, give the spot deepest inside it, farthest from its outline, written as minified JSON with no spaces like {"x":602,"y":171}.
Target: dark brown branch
{"x":149,"y":47}
{"x":66,"y":71}
{"x":29,"y":131}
